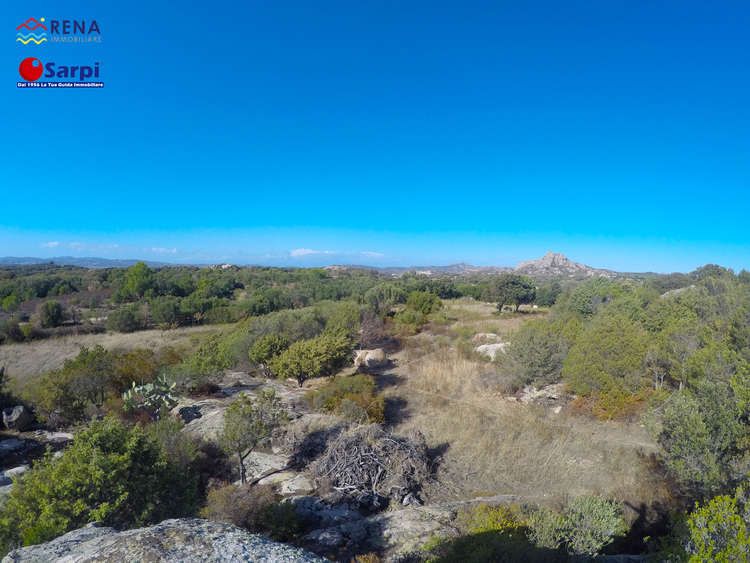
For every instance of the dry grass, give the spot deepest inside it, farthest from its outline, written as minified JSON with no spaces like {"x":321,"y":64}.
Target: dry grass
{"x":495,"y":446}
{"x":472,"y":317}
{"x":26,"y":362}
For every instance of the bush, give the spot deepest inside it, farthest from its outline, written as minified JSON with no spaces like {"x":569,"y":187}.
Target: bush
{"x":607,"y":359}
{"x":319,"y":356}
{"x":536,"y":354}
{"x":719,"y":531}
{"x":425,"y":303}
{"x":82,"y":381}
{"x":487,"y":534}
{"x":267,"y":347}
{"x":110,"y":474}
{"x":11,"y":330}
{"x":50,"y":314}
{"x":256,"y":509}
{"x":354,"y":398}
{"x":702,"y":437}
{"x":122,"y":320}
{"x":587,"y":525}
{"x":242,"y":506}
{"x":165,"y":310}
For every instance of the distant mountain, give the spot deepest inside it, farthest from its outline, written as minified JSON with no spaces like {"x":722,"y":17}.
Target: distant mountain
{"x":557,"y":265}
{"x":73,"y":261}
{"x":548,"y":266}
{"x":460,"y":268}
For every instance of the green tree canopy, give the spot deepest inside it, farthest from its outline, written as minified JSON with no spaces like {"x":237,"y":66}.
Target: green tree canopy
{"x":319,"y":356}
{"x":607,"y":358}
{"x":50,"y":314}
{"x":11,"y":304}
{"x":83,"y":380}
{"x":139,"y":279}
{"x":511,"y":288}
{"x":249,"y":424}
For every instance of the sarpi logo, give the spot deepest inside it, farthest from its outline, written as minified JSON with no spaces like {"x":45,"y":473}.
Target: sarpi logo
{"x":61,"y":31}
{"x":31,"y":33}
{"x":31,"y":69}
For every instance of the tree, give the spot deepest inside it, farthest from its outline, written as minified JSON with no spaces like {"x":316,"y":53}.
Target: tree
{"x":425,"y":303}
{"x":80,"y":381}
{"x":547,"y":294}
{"x":607,"y":358}
{"x":267,"y":347}
{"x":316,"y":357}
{"x":589,"y":295}
{"x":536,"y":354}
{"x":11,"y":304}
{"x":110,"y":474}
{"x":50,"y":314}
{"x":383,"y":297}
{"x":165,"y":310}
{"x":122,"y":320}
{"x":139,"y":279}
{"x":511,"y":288}
{"x":248,"y":425}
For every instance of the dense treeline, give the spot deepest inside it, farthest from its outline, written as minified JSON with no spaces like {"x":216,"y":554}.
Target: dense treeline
{"x":42,"y":300}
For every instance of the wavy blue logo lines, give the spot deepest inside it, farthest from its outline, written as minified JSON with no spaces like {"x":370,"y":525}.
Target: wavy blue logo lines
{"x":30,"y":32}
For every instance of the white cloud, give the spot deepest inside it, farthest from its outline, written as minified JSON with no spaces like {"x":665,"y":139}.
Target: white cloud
{"x":164,"y":250}
{"x":83,"y":246}
{"x":300,"y":252}
{"x":50,"y":245}
{"x":305,"y":251}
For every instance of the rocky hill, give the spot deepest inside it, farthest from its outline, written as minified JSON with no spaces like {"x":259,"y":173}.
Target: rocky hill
{"x":183,"y":540}
{"x":557,"y":265}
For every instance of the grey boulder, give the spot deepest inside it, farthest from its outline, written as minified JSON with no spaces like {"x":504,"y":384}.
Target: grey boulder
{"x":187,"y":540}
{"x":17,"y":418}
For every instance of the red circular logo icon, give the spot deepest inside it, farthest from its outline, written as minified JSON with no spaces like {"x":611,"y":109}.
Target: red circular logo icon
{"x":31,"y":69}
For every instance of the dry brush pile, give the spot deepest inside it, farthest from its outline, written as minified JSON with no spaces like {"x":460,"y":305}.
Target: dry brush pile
{"x":367,"y":460}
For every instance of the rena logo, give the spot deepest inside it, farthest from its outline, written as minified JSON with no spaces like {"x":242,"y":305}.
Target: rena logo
{"x":61,"y":31}
{"x":31,"y":70}
{"x":31,"y":25}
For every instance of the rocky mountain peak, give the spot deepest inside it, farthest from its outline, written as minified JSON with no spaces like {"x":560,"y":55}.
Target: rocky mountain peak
{"x":557,"y":265}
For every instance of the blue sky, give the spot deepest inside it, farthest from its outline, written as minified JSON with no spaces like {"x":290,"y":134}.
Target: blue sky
{"x":385,"y":133}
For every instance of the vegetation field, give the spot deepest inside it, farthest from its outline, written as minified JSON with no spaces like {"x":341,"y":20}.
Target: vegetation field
{"x":599,"y":408}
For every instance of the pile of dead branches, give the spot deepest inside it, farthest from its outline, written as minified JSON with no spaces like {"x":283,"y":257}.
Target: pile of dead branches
{"x":369,"y":460}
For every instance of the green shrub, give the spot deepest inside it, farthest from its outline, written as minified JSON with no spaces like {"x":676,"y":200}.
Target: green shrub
{"x":587,"y":525}
{"x":319,"y":356}
{"x":209,"y":359}
{"x":536,"y":354}
{"x":111,"y":474}
{"x":50,"y":314}
{"x":425,"y":303}
{"x":487,"y":534}
{"x":266,"y":347}
{"x":242,"y":506}
{"x":354,"y":398}
{"x":718,"y":532}
{"x":81,"y":381}
{"x":122,"y":320}
{"x":607,"y":359}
